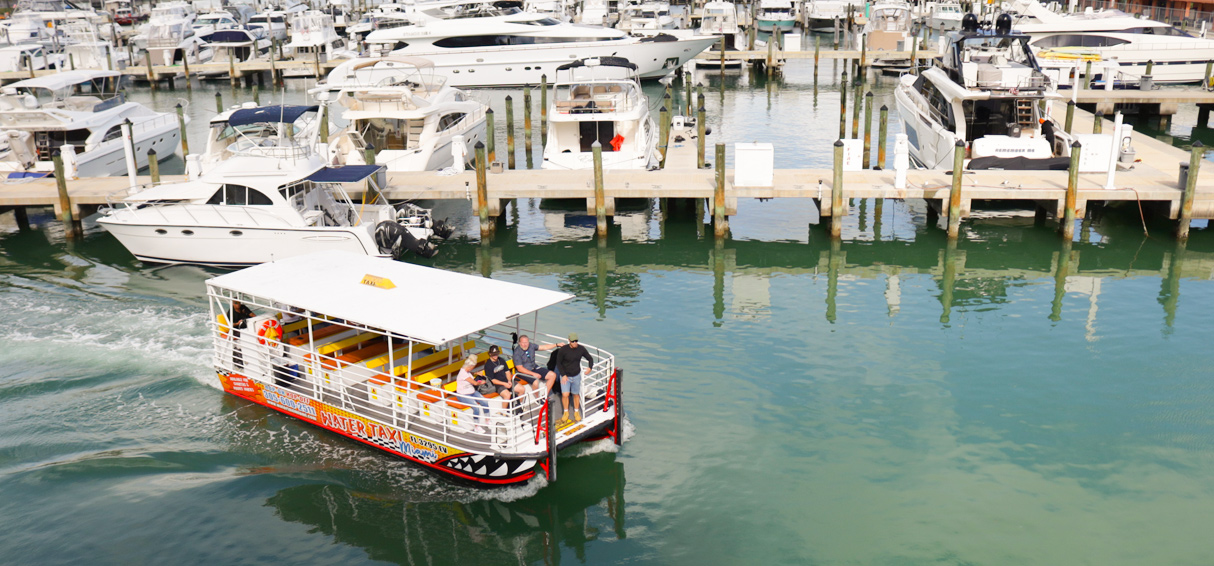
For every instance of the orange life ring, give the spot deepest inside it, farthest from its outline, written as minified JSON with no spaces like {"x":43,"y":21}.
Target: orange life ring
{"x":269,"y":329}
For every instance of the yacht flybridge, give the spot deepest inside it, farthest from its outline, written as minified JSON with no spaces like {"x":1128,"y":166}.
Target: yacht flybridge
{"x":988,"y":92}
{"x":83,"y":110}
{"x":406,"y":112}
{"x":599,"y":100}
{"x":374,"y":352}
{"x":272,"y":197}
{"x":520,"y":48}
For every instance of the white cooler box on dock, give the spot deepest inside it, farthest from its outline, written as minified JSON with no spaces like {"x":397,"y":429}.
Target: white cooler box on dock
{"x":754,"y":164}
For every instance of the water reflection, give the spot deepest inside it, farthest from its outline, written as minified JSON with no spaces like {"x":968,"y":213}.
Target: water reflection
{"x":564,"y":517}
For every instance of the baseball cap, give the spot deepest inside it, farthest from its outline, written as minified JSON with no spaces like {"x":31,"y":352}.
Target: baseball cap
{"x":573,"y":336}
{"x":494,"y":350}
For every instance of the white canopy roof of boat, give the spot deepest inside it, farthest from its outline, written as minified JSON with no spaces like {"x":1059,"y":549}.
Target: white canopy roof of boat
{"x":63,"y":79}
{"x":426,"y":304}
{"x":188,"y":190}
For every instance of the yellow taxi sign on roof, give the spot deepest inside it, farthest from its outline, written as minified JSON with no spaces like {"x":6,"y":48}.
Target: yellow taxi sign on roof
{"x":377,"y":281}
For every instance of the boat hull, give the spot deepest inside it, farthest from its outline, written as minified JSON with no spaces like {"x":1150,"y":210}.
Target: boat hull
{"x":109,"y":158}
{"x":476,"y":468}
{"x":772,"y":25}
{"x":512,"y":67}
{"x":233,"y":245}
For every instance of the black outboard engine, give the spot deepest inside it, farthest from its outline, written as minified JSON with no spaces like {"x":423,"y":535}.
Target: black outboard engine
{"x":969,"y":22}
{"x":442,"y":229}
{"x":394,"y":240}
{"x":1003,"y":24}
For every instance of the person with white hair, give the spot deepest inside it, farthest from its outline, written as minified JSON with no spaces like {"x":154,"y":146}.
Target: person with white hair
{"x":465,"y":392}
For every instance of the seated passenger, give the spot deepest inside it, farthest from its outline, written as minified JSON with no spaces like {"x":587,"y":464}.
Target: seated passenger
{"x":465,"y":392}
{"x":498,"y":374}
{"x":526,"y":370}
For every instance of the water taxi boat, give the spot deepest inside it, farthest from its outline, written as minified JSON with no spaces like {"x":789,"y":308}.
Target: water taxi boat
{"x":339,"y":340}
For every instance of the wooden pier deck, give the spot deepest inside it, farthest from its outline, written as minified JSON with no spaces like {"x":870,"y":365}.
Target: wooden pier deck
{"x":1152,"y":181}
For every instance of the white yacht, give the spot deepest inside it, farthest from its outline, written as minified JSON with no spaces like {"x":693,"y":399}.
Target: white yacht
{"x":1063,"y":43}
{"x":593,"y":13}
{"x":270,"y":198}
{"x":720,"y":19}
{"x":889,"y":28}
{"x":520,"y":48}
{"x":945,"y":16}
{"x":313,"y":38}
{"x":988,"y":92}
{"x":600,"y":100}
{"x":169,"y":36}
{"x":23,"y":57}
{"x":398,"y":106}
{"x":208,"y":24}
{"x":638,"y":16}
{"x":824,"y":13}
{"x":274,"y":24}
{"x":775,"y":15}
{"x":240,"y":45}
{"x":83,"y":109}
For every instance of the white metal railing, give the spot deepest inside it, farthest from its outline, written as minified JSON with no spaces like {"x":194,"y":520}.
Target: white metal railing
{"x":401,"y":402}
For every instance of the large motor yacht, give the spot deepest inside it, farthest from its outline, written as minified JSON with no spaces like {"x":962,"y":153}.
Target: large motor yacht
{"x":776,"y":15}
{"x":271,"y":198}
{"x":600,"y":100}
{"x":314,"y":39}
{"x":889,"y":28}
{"x":824,"y":14}
{"x":520,"y":48}
{"x":83,"y":109}
{"x":398,"y":106}
{"x":988,"y":92}
{"x":1064,"y":43}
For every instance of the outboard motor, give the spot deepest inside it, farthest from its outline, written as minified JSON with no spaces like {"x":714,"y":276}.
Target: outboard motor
{"x":1003,"y":24}
{"x":442,"y":229}
{"x":969,"y":22}
{"x":394,"y":240}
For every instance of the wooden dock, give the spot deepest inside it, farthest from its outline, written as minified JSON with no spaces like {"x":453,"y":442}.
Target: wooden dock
{"x":1153,"y":181}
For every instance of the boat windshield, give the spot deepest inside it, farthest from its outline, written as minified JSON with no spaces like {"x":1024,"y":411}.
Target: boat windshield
{"x":997,"y":50}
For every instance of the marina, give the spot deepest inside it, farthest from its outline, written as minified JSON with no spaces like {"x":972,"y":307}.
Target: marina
{"x":814,"y":281}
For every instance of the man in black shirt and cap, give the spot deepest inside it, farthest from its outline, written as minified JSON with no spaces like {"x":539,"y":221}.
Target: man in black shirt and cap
{"x":569,"y":368}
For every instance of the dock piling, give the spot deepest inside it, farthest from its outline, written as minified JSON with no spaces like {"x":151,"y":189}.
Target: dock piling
{"x":663,"y":133}
{"x":482,"y":191}
{"x":701,"y":132}
{"x":600,"y":195}
{"x":954,"y":194}
{"x":817,"y":50}
{"x":1087,"y":76}
{"x":185,"y":142}
{"x":256,"y":95}
{"x":185,"y":62}
{"x":1205,"y":84}
{"x":65,"y":202}
{"x":882,"y":131}
{"x":1067,"y":226}
{"x":1098,"y":122}
{"x":868,"y":129}
{"x":153,"y":166}
{"x":1070,"y":115}
{"x":1190,"y":189}
{"x":218,"y":102}
{"x":543,"y":111}
{"x":509,"y":132}
{"x":490,"y":135}
{"x":843,"y":105}
{"x":147,"y":58}
{"x":857,"y":101}
{"x":323,"y":117}
{"x":527,"y":124}
{"x":836,"y":194}
{"x":719,"y":221}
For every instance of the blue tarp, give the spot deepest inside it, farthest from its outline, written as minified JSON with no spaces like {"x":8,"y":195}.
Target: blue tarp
{"x":273,"y":114}
{"x":346,"y":174}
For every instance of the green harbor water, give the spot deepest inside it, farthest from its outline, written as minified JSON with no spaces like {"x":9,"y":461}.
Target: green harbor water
{"x":891,"y":399}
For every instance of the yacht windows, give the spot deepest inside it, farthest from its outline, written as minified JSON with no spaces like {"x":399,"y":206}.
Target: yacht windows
{"x":1078,"y":40}
{"x":941,"y":109}
{"x":239,"y":195}
{"x":589,"y":132}
{"x":498,"y":40}
{"x":112,"y":134}
{"x":993,"y":117}
{"x":391,"y":133}
{"x":449,"y":121}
